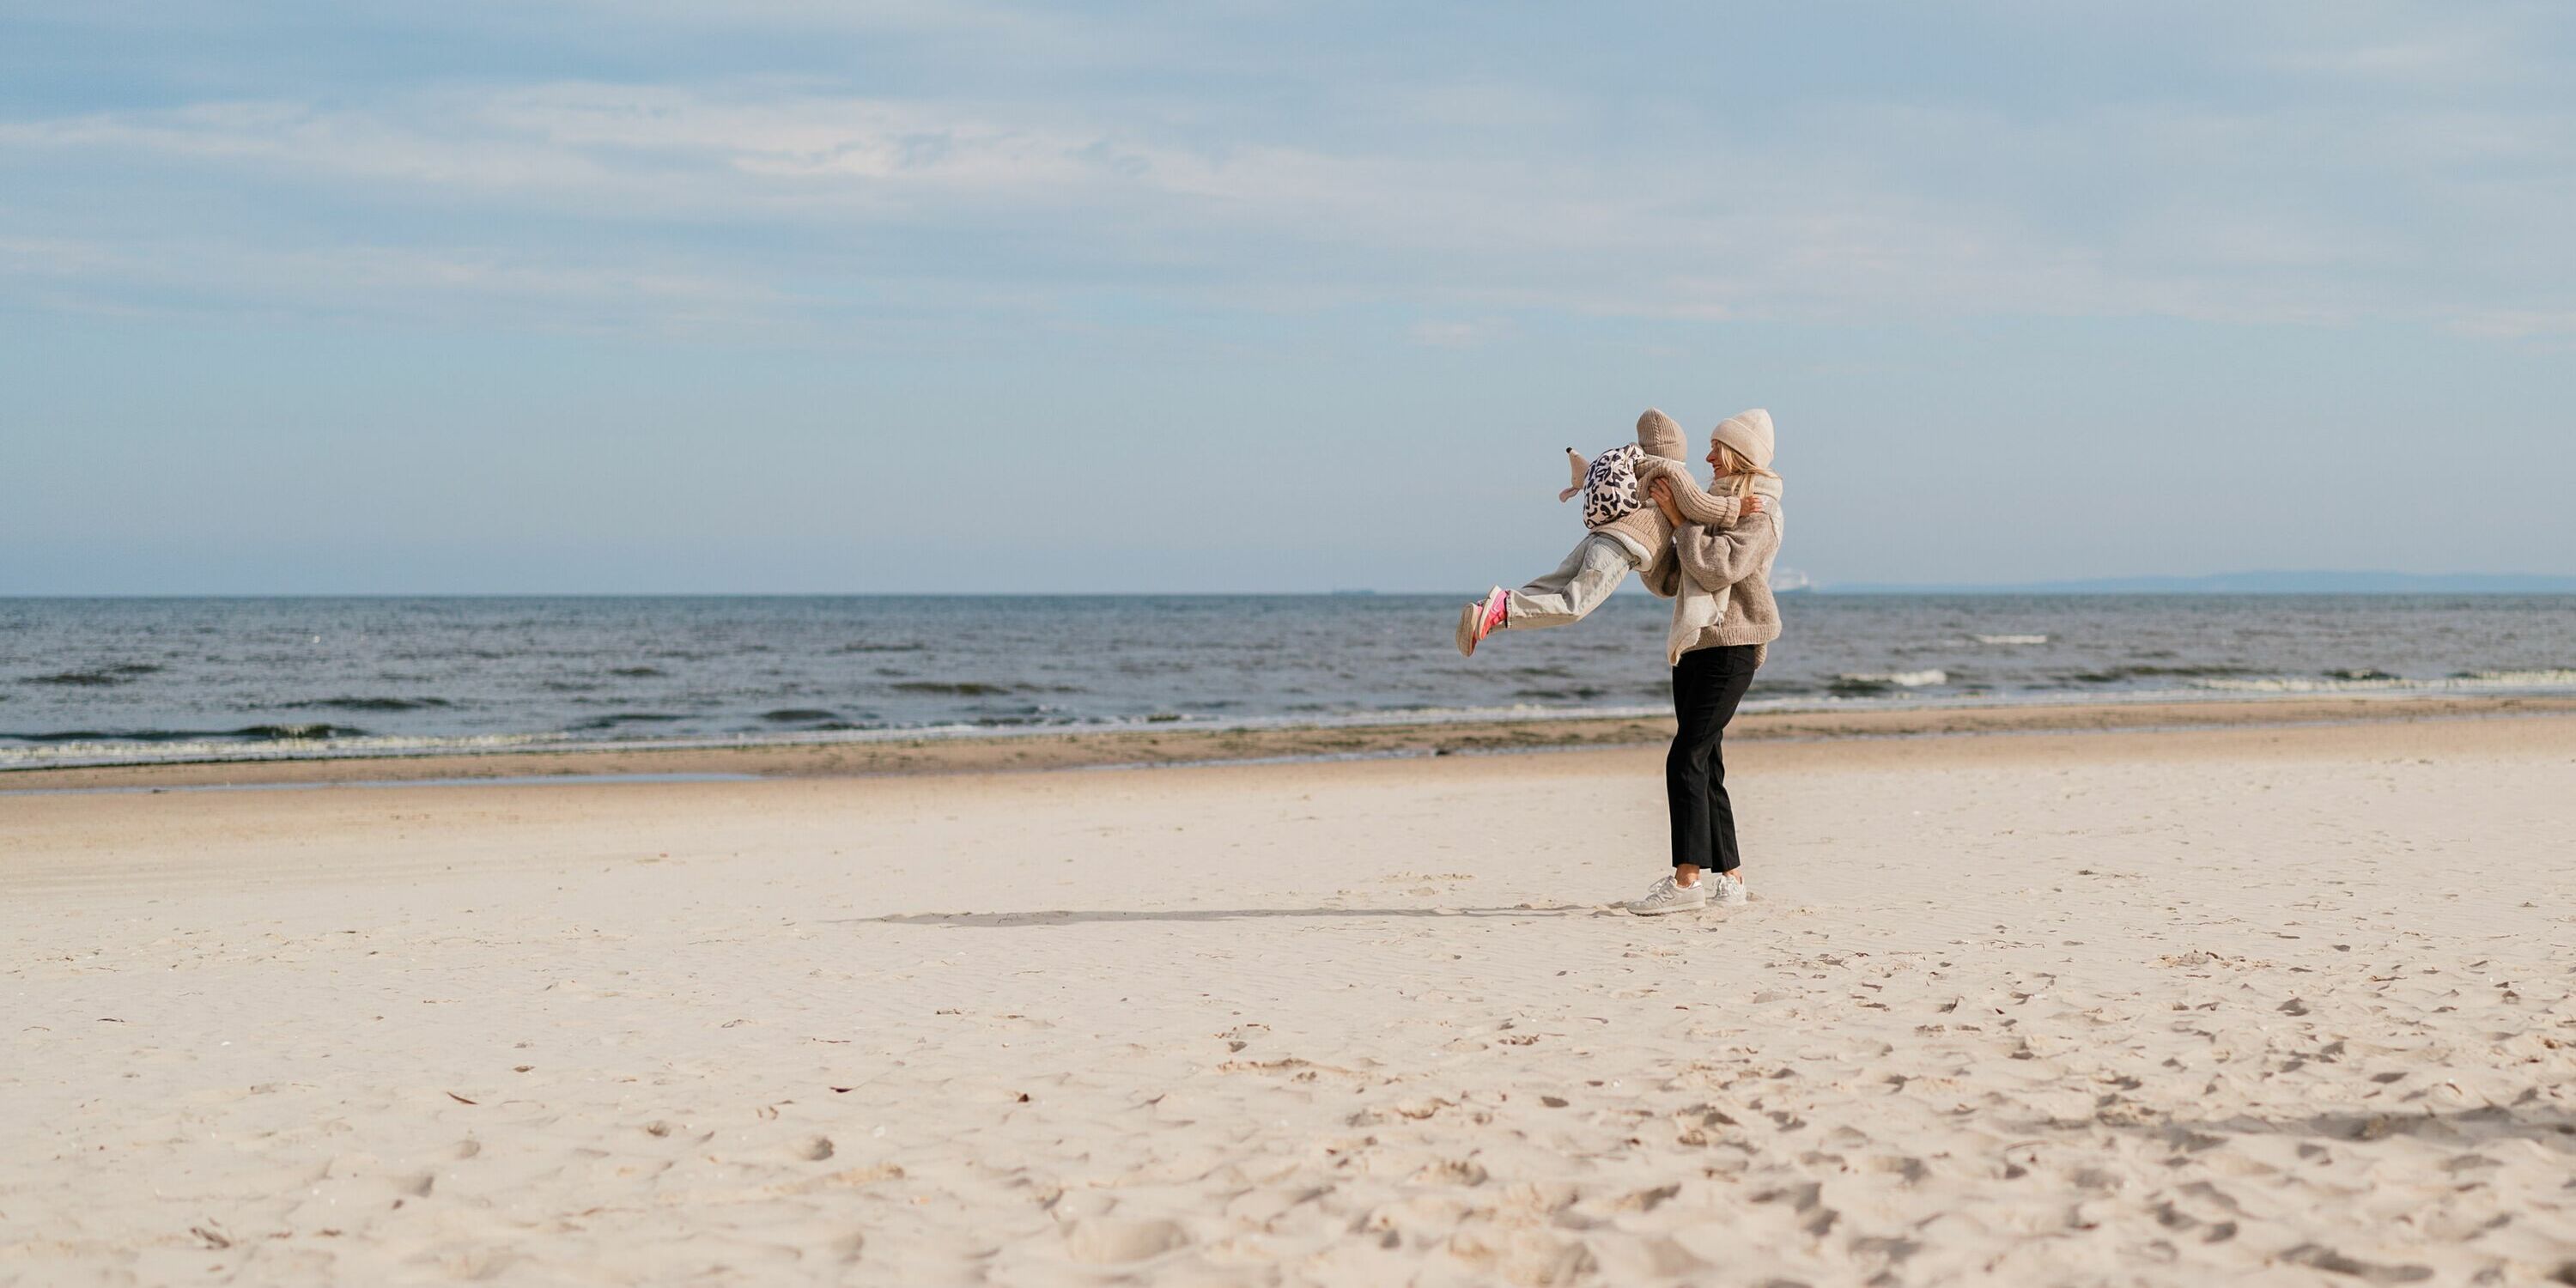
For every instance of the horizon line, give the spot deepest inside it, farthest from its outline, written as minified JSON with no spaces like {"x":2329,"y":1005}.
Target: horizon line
{"x":2229,"y":583}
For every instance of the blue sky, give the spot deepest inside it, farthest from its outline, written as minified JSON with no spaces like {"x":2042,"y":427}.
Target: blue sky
{"x":566,"y":295}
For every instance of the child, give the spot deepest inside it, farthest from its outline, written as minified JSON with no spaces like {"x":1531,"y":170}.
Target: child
{"x":1623,"y":533}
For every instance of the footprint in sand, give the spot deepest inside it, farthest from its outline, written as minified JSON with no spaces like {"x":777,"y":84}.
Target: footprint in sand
{"x":1103,"y":1241}
{"x":1454,"y":1171}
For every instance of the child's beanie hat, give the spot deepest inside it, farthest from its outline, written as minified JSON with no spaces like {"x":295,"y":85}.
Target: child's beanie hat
{"x":1661,"y":435}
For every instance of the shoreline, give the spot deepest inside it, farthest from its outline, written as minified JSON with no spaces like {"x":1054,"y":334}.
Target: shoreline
{"x":1151,"y":748}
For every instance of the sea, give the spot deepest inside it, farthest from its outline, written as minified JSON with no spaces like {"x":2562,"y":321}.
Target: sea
{"x":115,"y":681}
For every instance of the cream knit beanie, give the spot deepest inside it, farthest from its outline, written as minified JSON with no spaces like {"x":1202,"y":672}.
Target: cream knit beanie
{"x":1749,"y":433}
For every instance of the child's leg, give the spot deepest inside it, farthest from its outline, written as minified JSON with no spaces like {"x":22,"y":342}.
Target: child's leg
{"x":1593,"y":569}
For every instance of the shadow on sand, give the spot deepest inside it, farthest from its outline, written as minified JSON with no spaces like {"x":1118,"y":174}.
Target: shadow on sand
{"x":1069,"y":917}
{"x":2547,"y":1125}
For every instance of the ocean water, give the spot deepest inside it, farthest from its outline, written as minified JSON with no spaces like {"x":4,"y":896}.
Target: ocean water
{"x":127,"y":680}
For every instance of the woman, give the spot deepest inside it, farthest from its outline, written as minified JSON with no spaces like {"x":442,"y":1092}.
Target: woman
{"x":1724,"y":620}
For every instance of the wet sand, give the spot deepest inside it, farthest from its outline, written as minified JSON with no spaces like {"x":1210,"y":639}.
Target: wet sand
{"x":1189,"y":746}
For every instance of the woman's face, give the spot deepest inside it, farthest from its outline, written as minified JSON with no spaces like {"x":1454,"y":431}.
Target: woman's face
{"x":1716,"y":456}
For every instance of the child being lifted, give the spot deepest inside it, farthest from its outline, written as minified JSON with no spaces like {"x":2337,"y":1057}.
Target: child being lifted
{"x":1622,"y":532}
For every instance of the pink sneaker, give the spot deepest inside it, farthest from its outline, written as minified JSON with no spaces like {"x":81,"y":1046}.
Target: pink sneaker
{"x":1478,"y":620}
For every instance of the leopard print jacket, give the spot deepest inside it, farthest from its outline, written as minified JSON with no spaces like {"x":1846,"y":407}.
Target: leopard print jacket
{"x":1610,"y":491}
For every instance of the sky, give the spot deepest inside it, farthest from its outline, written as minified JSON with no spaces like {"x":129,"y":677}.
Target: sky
{"x":342,"y":296}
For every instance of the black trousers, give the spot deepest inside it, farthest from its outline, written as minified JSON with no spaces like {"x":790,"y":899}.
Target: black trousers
{"x":1707,"y":685}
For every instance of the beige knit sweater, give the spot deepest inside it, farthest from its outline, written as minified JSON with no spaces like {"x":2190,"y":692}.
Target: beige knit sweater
{"x":1737,"y":559}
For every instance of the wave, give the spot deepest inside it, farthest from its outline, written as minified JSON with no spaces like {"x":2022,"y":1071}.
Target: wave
{"x":628,"y":718}
{"x":298,"y":732}
{"x":2369,"y":680}
{"x":2556,"y":676}
{"x":72,"y":751}
{"x":2010,"y":639}
{"x":637,"y":672}
{"x":956,"y":689}
{"x":97,"y":677}
{"x":248,"y":733}
{"x":2117,"y":674}
{"x":799,"y":715}
{"x":881,"y":648}
{"x":366,"y":704}
{"x":102,"y":736}
{"x":1855,"y":684}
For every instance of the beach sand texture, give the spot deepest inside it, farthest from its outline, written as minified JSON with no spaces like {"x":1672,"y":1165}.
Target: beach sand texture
{"x":2265,"y":1006}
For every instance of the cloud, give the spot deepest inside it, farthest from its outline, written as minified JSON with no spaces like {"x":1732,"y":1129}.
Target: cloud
{"x":1456,"y":335}
{"x":178,"y":276}
{"x":2462,"y":47}
{"x":765,"y":199}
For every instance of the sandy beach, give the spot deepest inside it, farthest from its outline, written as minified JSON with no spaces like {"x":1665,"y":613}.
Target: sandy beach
{"x":2259,"y":1001}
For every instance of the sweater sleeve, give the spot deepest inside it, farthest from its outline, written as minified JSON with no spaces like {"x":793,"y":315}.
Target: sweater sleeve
{"x":1717,"y":560}
{"x":1696,"y":503}
{"x":1662,"y":574}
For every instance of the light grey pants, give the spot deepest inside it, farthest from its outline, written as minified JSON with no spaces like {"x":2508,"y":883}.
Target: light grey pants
{"x":1593,"y":569}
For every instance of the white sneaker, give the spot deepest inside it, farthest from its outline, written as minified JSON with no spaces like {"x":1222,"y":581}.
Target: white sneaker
{"x":1664,"y":897}
{"x":1725,"y":889}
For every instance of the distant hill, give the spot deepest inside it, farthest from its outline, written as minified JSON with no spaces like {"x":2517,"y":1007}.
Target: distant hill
{"x":2248,"y":583}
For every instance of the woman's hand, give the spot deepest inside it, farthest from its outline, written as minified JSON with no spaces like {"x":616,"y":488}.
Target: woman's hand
{"x":1751,"y":505}
{"x":1662,"y":493}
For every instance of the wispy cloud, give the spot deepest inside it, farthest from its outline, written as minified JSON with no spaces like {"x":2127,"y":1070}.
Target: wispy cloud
{"x":179,"y":276}
{"x":1448,"y":334}
{"x":1475,"y":198}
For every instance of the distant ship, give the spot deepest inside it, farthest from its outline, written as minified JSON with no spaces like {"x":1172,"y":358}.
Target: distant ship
{"x":1790,"y":581}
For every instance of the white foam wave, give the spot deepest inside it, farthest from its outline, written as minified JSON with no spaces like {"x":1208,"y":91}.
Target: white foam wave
{"x":2010,"y":639}
{"x":2475,"y":681}
{"x":107,"y":751}
{"x":2558,"y":676}
{"x":1899,"y":679}
{"x":79,"y":755}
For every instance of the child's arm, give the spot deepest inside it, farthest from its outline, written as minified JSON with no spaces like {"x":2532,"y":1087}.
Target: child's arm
{"x":1695,"y":502}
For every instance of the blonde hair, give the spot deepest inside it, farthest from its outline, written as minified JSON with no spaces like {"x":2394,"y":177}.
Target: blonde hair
{"x":1733,"y":464}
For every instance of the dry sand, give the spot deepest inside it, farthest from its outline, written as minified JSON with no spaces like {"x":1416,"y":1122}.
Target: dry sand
{"x":2253,"y":1005}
